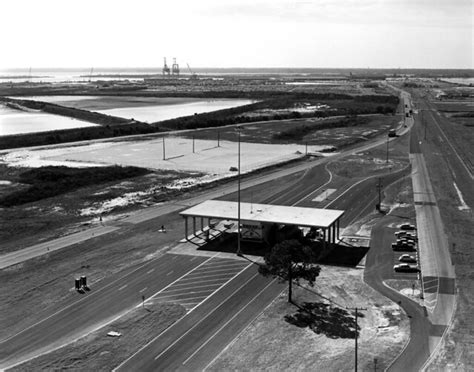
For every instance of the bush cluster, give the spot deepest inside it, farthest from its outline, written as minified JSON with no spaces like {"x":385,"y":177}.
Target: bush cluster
{"x":50,"y":181}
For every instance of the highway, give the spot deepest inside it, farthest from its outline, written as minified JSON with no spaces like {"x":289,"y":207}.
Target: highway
{"x":232,"y":306}
{"x":428,"y":323}
{"x":194,"y":342}
{"x":95,"y":308}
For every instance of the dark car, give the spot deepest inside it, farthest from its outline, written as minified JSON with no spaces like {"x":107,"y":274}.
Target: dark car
{"x":406,"y":268}
{"x":403,"y":247}
{"x":407,"y":226}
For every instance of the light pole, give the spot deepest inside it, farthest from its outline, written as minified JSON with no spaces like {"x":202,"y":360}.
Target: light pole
{"x":239,"y":253}
{"x":388,"y":138}
{"x":164,"y":156}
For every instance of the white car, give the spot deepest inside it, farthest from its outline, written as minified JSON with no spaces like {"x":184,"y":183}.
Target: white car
{"x":407,"y":258}
{"x":406,"y":268}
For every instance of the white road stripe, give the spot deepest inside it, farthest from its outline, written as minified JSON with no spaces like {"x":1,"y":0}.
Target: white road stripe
{"x":143,"y":290}
{"x":226,"y":323}
{"x":122,"y":287}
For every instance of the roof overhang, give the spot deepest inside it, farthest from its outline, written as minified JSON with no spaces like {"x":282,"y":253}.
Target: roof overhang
{"x":279,"y":214}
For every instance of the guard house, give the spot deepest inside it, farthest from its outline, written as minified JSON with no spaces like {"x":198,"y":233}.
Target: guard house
{"x":256,"y":220}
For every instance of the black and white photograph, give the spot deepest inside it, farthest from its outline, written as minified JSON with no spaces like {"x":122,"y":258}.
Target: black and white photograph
{"x":237,"y":185}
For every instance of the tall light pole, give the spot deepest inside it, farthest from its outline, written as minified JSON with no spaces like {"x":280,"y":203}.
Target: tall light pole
{"x":239,"y":252}
{"x":164,"y":156}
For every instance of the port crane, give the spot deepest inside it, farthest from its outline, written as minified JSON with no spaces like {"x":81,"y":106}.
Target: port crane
{"x":193,"y":75}
{"x":166,"y":69}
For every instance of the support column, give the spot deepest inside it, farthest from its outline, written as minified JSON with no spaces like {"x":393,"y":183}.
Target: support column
{"x":202,"y":223}
{"x":329,"y":234}
{"x":337,"y":222}
{"x":186,"y":227}
{"x":324,"y":238}
{"x":194,"y":225}
{"x":333,"y":233}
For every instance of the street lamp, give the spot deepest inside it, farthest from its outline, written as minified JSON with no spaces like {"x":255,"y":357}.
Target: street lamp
{"x":239,"y":252}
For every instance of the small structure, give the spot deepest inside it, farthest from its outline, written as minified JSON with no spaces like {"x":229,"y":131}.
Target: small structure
{"x":257,"y":220}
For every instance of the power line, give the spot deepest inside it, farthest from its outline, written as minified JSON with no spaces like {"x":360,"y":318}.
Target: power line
{"x":356,"y":333}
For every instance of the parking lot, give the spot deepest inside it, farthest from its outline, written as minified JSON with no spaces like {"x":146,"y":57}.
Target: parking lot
{"x":404,"y":244}
{"x":200,"y":283}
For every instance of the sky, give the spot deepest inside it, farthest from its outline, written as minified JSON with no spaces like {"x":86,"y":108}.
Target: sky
{"x":237,"y":33}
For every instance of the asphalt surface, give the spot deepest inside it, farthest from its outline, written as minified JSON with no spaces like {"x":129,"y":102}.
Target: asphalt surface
{"x":95,"y":308}
{"x":233,"y":305}
{"x":429,"y":322}
{"x":193,"y":342}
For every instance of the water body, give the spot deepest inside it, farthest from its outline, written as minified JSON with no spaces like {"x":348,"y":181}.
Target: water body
{"x":152,"y":114}
{"x":16,"y":122}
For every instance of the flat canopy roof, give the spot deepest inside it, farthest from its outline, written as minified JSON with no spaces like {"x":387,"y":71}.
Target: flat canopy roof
{"x":279,"y":214}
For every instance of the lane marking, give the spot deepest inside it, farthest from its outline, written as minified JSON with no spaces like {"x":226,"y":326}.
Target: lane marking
{"x":122,"y":287}
{"x":171,"y":272}
{"x":150,"y":271}
{"x":143,"y":290}
{"x":231,"y":319}
{"x":190,"y":288}
{"x":207,"y":316}
{"x":84,"y":298}
{"x":241,"y":332}
{"x":185,"y":294}
{"x":320,"y":187}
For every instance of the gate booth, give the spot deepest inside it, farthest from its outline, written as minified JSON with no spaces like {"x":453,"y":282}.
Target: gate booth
{"x":256,"y":220}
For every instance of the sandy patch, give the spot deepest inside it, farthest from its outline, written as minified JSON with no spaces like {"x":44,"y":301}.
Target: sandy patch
{"x":178,"y":154}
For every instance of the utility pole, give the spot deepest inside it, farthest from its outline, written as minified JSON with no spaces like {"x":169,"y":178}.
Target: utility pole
{"x":423,"y":122}
{"x":355,"y":332}
{"x":164,"y":156}
{"x":239,"y":253}
{"x":379,"y":187}
{"x":193,"y":143}
{"x":218,"y":139}
{"x":388,"y":138}
{"x":306,"y":149}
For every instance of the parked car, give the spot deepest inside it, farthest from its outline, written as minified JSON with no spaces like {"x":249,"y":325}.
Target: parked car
{"x":407,"y":226}
{"x":406,"y":268}
{"x":405,"y":240}
{"x":407,"y":258}
{"x":403,"y":247}
{"x":401,"y":233}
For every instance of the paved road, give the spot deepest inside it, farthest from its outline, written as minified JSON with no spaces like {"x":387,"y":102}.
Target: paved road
{"x":197,"y":339}
{"x":124,"y":292}
{"x":194,"y":342}
{"x":429,"y":322}
{"x":174,"y":206}
{"x":378,"y":268}
{"x":95,"y":308}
